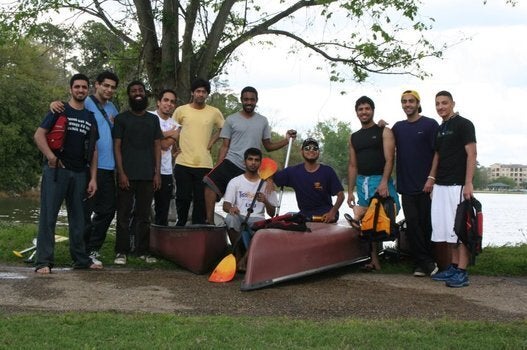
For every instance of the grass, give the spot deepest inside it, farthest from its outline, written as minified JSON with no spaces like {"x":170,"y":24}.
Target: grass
{"x":101,"y":330}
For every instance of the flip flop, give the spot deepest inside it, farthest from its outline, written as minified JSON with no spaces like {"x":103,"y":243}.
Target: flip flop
{"x":353,"y":223}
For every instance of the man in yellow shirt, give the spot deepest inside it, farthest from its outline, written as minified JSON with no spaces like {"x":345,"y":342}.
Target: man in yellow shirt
{"x":200,"y":127}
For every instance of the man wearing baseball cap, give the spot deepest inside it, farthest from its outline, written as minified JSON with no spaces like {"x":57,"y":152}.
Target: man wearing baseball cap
{"x":414,"y":141}
{"x":314,"y":184}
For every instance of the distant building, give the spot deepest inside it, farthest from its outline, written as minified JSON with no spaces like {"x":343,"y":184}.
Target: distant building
{"x":517,"y":172}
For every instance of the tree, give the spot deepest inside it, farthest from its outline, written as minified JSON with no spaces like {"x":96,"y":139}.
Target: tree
{"x":506,"y":180}
{"x":333,"y":137}
{"x":28,"y":78}
{"x":481,"y":177}
{"x":181,"y":40}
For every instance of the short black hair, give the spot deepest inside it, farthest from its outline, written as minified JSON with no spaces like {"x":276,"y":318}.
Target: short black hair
{"x":135,"y":82}
{"x":200,"y":83}
{"x":364,"y":100}
{"x":79,"y":76}
{"x":107,"y":75}
{"x":445,"y":93}
{"x":163,"y":92}
{"x":252,"y":152}
{"x":249,"y":89}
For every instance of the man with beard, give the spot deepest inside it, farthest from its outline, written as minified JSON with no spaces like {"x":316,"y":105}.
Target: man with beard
{"x":314,"y":184}
{"x":414,"y":141}
{"x":166,"y":104}
{"x":64,"y":177}
{"x":137,"y":146}
{"x":198,"y":122}
{"x":242,"y":130}
{"x":100,"y":209}
{"x":371,"y":154}
{"x":240,"y":193}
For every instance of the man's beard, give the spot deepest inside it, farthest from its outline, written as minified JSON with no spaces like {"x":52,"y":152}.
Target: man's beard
{"x":138,"y":105}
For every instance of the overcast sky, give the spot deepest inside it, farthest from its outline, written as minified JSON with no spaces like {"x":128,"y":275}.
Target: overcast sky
{"x":487,"y":76}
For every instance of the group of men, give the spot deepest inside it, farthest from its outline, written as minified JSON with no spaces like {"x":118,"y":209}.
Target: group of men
{"x":136,"y":149}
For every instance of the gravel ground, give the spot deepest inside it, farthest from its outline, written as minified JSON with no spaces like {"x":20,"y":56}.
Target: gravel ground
{"x":336,"y":294}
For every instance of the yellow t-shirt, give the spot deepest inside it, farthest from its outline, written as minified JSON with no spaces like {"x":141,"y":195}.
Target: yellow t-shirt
{"x":196,"y":129}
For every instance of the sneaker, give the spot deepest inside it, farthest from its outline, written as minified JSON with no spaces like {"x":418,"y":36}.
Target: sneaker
{"x":94,"y":255}
{"x":432,"y":269}
{"x":419,"y":272}
{"x":120,"y":259}
{"x":148,"y":259}
{"x":445,"y":274}
{"x":458,"y":280}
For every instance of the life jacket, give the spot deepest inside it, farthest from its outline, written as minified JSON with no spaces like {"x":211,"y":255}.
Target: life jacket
{"x":378,"y":224}
{"x":468,"y":226}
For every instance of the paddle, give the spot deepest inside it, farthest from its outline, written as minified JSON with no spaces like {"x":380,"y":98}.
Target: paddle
{"x":226,"y":269}
{"x":285,"y":166}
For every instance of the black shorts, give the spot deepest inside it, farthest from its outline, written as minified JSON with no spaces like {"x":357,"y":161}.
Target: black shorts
{"x":218,"y":178}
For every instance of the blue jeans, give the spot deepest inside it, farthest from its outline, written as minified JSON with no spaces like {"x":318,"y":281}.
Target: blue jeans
{"x":71,"y":187}
{"x":102,"y":206}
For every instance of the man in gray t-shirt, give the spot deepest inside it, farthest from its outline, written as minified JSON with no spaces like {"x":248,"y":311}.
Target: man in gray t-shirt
{"x":241,"y":131}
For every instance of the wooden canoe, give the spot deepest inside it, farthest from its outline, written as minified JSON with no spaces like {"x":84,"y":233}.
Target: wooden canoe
{"x":276,"y":255}
{"x":197,"y":248}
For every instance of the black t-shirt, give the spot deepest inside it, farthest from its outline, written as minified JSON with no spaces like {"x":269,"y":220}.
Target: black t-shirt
{"x":137,"y":134}
{"x":452,"y":137}
{"x":80,"y":124}
{"x":369,"y":150}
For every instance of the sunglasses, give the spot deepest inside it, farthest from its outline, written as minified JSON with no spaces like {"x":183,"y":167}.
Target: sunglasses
{"x":310,"y":148}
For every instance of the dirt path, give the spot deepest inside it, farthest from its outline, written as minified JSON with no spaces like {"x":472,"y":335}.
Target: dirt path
{"x":342,"y":293}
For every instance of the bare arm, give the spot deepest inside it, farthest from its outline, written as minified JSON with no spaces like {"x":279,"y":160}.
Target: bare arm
{"x":42,"y":144}
{"x":468,"y":189}
{"x":122,"y":178}
{"x":429,"y":184}
{"x":92,"y":184}
{"x":231,"y":209}
{"x":223,"y":150}
{"x":388,"y":142}
{"x":215,"y":136}
{"x":170,"y":137}
{"x":157,"y":160}
{"x":352,"y":175}
{"x":273,"y":146}
{"x":330,"y":215}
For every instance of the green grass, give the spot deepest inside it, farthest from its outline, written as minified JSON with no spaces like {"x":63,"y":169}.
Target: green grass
{"x":103,"y":330}
{"x":152,"y":331}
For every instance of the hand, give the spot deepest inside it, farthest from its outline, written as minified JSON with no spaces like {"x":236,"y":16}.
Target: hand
{"x":382,"y":123}
{"x":429,"y":186}
{"x":260,"y":197}
{"x":351,"y":200}
{"x":92,"y":188}
{"x":382,"y":189}
{"x":290,"y":134}
{"x":56,"y":106}
{"x":124,"y":184}
{"x":329,"y":217}
{"x":468,"y":191}
{"x":54,"y":162}
{"x":157,"y":182}
{"x":234,"y":210}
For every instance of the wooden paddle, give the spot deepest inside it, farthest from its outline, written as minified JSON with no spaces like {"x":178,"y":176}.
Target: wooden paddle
{"x":226,"y":269}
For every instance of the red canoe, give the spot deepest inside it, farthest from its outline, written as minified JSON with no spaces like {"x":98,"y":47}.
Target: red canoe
{"x":277,"y":255}
{"x":197,"y":248}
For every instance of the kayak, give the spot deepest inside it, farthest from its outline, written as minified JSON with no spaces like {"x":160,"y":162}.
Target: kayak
{"x":277,"y":255}
{"x":197,"y":248}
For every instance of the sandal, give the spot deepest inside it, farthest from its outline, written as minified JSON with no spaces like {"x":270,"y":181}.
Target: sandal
{"x":353,"y":223}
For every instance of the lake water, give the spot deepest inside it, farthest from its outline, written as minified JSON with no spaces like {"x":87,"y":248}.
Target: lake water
{"x":505,"y":222}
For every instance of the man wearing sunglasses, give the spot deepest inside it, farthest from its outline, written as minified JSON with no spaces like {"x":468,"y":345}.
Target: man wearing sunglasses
{"x":314,"y":183}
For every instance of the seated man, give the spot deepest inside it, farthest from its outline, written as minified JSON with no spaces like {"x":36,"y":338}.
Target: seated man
{"x":314,"y":184}
{"x":240,"y":193}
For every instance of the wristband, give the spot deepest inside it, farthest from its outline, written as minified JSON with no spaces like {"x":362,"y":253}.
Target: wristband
{"x":431,"y":178}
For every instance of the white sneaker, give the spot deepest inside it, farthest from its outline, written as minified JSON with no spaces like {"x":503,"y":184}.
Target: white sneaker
{"x":120,"y":259}
{"x":148,"y":259}
{"x":94,"y":255}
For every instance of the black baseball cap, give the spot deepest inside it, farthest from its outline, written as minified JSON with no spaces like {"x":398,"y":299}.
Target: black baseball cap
{"x":309,"y":141}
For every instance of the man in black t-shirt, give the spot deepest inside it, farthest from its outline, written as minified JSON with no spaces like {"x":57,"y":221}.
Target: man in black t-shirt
{"x":137,"y":146}
{"x":452,"y":170}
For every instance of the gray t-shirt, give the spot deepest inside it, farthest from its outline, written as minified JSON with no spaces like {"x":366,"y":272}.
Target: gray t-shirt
{"x":244,"y":133}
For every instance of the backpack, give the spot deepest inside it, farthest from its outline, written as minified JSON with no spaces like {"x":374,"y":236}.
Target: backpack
{"x":468,"y":226}
{"x":378,"y":224}
{"x":56,"y":135}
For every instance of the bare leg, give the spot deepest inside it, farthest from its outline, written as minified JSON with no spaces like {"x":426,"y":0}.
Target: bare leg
{"x":210,"y":202}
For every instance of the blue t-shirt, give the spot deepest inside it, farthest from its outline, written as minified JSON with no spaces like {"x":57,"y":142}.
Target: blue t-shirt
{"x":105,"y":154}
{"x":80,"y":124}
{"x":313,"y":190}
{"x":414,"y":142}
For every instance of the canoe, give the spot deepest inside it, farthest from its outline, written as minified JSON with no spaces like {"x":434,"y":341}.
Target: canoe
{"x":276,"y":255}
{"x":197,"y":248}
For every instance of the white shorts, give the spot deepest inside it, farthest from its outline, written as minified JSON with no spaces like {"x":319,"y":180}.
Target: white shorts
{"x":444,"y":204}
